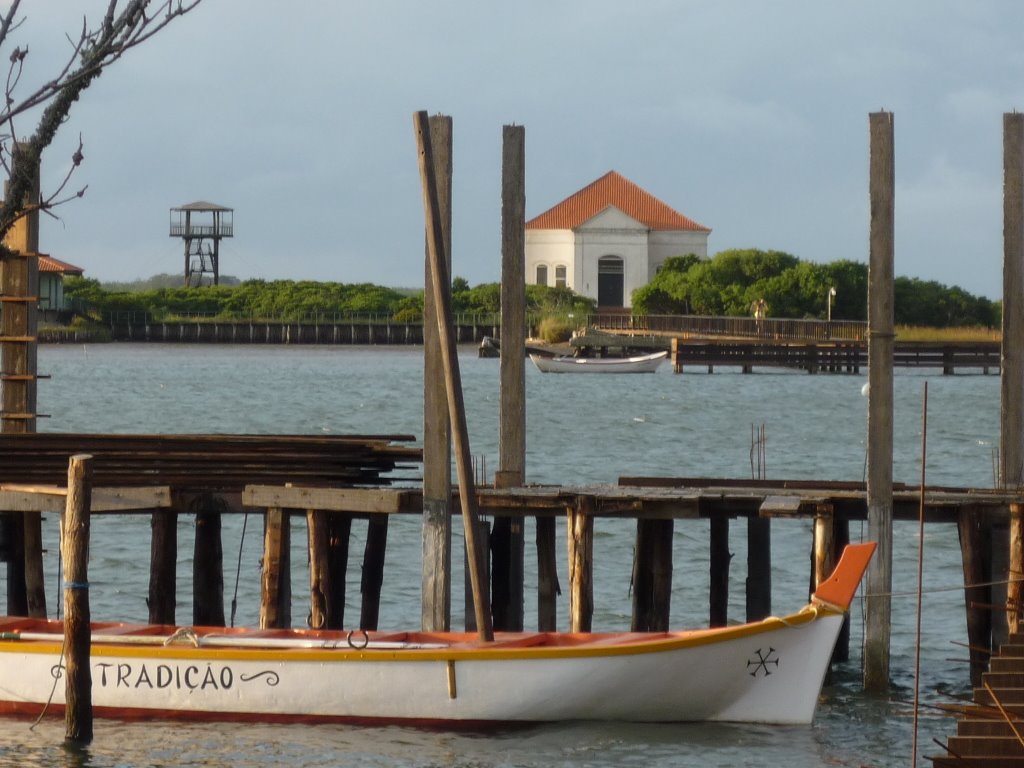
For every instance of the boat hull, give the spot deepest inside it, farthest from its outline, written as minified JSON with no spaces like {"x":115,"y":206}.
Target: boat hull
{"x":568,"y":364}
{"x":768,"y":672}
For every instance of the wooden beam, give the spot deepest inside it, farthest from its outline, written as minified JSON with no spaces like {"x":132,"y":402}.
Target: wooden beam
{"x":372,"y":500}
{"x":22,"y":498}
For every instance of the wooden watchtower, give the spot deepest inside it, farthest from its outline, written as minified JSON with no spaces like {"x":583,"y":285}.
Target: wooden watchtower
{"x":202,"y":226}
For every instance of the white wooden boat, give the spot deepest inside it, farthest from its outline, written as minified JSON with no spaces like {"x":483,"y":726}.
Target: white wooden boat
{"x":769,"y":671}
{"x":569,"y":364}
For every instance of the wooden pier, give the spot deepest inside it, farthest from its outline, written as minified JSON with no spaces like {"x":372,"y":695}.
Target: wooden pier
{"x":831,"y":356}
{"x":215,"y":477}
{"x":338,"y":331}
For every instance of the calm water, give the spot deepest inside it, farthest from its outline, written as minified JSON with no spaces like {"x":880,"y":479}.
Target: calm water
{"x":580,"y":429}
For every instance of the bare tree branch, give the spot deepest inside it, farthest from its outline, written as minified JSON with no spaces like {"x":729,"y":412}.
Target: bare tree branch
{"x":93,"y":51}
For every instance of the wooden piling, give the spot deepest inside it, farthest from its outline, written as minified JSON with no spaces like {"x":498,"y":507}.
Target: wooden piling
{"x":163,"y":558}
{"x":275,"y":584}
{"x":1011,"y":410}
{"x":878,"y":605}
{"x":652,"y":575}
{"x":77,"y":630}
{"x":373,"y":571}
{"x":547,"y":575}
{"x":831,"y":535}
{"x":721,"y":557}
{"x":507,"y":556}
{"x":35,"y":582}
{"x":319,"y":534}
{"x":17,"y":597}
{"x":581,"y":564}
{"x":759,"y":568}
{"x":208,"y":566}
{"x":507,"y":541}
{"x":19,"y":291}
{"x":340,"y":529}
{"x":1011,"y":382}
{"x":1014,"y":588}
{"x":435,"y":611}
{"x":441,"y":286}
{"x":483,"y":537}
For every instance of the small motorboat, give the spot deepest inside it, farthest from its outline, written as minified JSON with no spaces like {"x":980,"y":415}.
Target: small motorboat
{"x":569,"y":364}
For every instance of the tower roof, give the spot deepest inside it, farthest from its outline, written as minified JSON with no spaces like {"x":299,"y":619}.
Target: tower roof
{"x":200,"y":205}
{"x":616,"y":190}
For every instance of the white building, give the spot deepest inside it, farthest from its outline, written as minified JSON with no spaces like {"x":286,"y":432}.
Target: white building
{"x":607,"y":240}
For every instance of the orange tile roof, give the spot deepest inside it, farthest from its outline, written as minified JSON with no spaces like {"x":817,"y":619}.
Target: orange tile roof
{"x":613,"y":189}
{"x":50,"y":264}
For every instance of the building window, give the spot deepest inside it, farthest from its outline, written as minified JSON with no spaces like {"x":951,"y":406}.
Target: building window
{"x":542,"y":274}
{"x":560,"y":277}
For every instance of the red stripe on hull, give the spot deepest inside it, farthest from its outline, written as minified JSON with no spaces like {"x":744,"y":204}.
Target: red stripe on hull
{"x":31,"y":711}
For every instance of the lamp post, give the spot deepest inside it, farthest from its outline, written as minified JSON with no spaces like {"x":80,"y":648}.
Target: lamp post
{"x":831,"y":295}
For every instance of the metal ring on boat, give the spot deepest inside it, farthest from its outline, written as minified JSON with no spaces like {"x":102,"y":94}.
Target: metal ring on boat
{"x":366,"y":640}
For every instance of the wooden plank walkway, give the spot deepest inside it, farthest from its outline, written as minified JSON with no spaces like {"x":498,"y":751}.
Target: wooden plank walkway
{"x":831,"y":356}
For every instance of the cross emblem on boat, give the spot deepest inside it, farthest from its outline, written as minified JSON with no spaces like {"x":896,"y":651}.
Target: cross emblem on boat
{"x":760,"y":664}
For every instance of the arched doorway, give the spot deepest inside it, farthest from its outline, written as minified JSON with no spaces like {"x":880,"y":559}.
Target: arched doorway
{"x":610,"y":281}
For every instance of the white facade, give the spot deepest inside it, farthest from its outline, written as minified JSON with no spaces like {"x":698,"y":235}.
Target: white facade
{"x":607,"y":236}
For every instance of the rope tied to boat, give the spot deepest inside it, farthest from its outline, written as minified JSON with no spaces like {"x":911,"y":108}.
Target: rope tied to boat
{"x":183,"y":635}
{"x":806,"y":609}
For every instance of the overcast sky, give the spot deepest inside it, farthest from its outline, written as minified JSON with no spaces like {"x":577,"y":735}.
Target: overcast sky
{"x":749,"y":117}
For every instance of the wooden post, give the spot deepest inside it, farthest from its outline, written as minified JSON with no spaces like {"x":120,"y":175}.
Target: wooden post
{"x":1011,"y":410}
{"x":547,"y":575}
{"x":718,"y":597}
{"x":208,"y":567}
{"x":19,"y":290}
{"x":759,"y":568}
{"x":373,"y":571}
{"x":163,"y":554}
{"x":842,"y":538}
{"x":652,"y":575}
{"x":340,"y":528}
{"x":17,"y":597}
{"x":441,"y":285}
{"x":506,"y":547}
{"x":974,"y":549}
{"x":878,"y":604}
{"x":483,"y":535}
{"x":581,"y":564}
{"x":1011,"y":407}
{"x":826,"y":555}
{"x":35,"y":582}
{"x":436,"y":594}
{"x":77,"y":630}
{"x":999,"y":563}
{"x":275,"y":592}
{"x":318,"y":530}
{"x":1014,"y":591}
{"x":824,"y":544}
{"x":507,"y":540}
